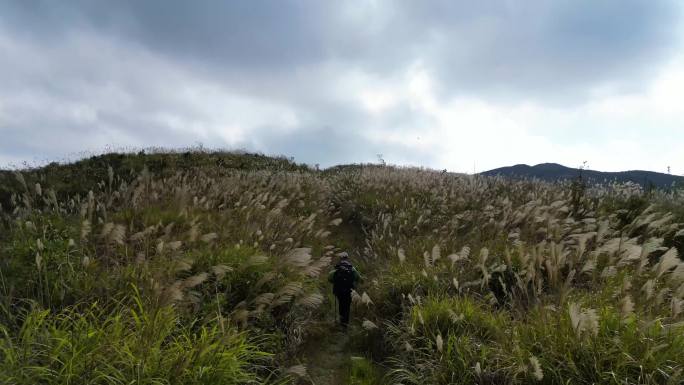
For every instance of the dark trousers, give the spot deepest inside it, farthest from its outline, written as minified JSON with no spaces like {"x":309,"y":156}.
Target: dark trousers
{"x":344,"y":301}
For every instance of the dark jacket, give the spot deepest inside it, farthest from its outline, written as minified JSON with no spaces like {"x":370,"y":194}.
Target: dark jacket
{"x":356,"y":276}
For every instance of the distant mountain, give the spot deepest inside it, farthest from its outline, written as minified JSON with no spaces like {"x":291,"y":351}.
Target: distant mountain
{"x":555,"y":172}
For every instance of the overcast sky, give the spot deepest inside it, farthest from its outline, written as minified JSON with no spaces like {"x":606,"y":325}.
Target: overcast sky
{"x":460,"y":85}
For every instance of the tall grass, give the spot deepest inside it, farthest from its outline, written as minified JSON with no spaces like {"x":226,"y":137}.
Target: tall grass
{"x":225,"y":268}
{"x":143,"y":345}
{"x":539,"y":284}
{"x":179,"y":269}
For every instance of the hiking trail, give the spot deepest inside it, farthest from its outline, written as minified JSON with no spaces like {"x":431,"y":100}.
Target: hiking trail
{"x":328,"y":352}
{"x":328,"y":357}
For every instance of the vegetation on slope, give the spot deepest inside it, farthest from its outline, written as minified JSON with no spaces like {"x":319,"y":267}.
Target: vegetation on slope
{"x":199,"y":272}
{"x":493,"y":281}
{"x":82,"y":176}
{"x":193,"y":277}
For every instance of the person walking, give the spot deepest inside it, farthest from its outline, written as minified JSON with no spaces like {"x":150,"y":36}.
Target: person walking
{"x":344,"y":278}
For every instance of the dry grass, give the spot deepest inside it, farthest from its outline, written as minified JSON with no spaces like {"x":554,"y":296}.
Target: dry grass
{"x":468,"y":279}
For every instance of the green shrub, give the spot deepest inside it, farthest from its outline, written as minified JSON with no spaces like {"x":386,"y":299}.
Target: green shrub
{"x":142,"y":345}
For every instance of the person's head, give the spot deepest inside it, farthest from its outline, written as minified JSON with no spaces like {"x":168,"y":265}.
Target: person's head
{"x":344,"y":256}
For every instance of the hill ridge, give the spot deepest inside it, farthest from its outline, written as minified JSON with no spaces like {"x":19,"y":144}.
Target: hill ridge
{"x":552,"y":172}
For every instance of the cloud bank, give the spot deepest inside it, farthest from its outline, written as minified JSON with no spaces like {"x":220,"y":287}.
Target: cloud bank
{"x":445,"y":84}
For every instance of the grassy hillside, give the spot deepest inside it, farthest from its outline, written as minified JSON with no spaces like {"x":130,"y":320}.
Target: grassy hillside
{"x":208,"y":268}
{"x":82,"y":176}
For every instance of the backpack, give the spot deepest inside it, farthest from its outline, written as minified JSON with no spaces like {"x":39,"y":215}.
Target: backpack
{"x":343,"y":280}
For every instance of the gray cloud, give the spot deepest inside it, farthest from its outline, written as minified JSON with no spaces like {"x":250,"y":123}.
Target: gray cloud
{"x":90,"y":73}
{"x":531,"y":48}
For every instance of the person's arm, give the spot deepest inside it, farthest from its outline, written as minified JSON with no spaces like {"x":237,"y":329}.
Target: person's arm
{"x":331,"y":276}
{"x":357,"y":276}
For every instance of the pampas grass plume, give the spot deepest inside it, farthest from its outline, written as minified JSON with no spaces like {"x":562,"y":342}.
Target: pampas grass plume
{"x":297,"y":370}
{"x":537,"y":371}
{"x":369,"y":325}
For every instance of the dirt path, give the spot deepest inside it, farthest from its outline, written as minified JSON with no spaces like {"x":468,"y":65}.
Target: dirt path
{"x":328,"y":353}
{"x":328,"y":358}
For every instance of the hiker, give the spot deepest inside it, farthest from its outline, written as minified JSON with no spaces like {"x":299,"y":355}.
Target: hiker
{"x":344,"y":278}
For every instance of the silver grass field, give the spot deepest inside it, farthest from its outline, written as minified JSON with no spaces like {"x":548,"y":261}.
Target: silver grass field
{"x":213,"y":274}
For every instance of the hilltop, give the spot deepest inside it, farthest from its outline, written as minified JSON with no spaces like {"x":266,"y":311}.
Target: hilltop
{"x":79,"y":177}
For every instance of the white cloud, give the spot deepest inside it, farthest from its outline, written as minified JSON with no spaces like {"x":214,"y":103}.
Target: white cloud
{"x":613,"y":132}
